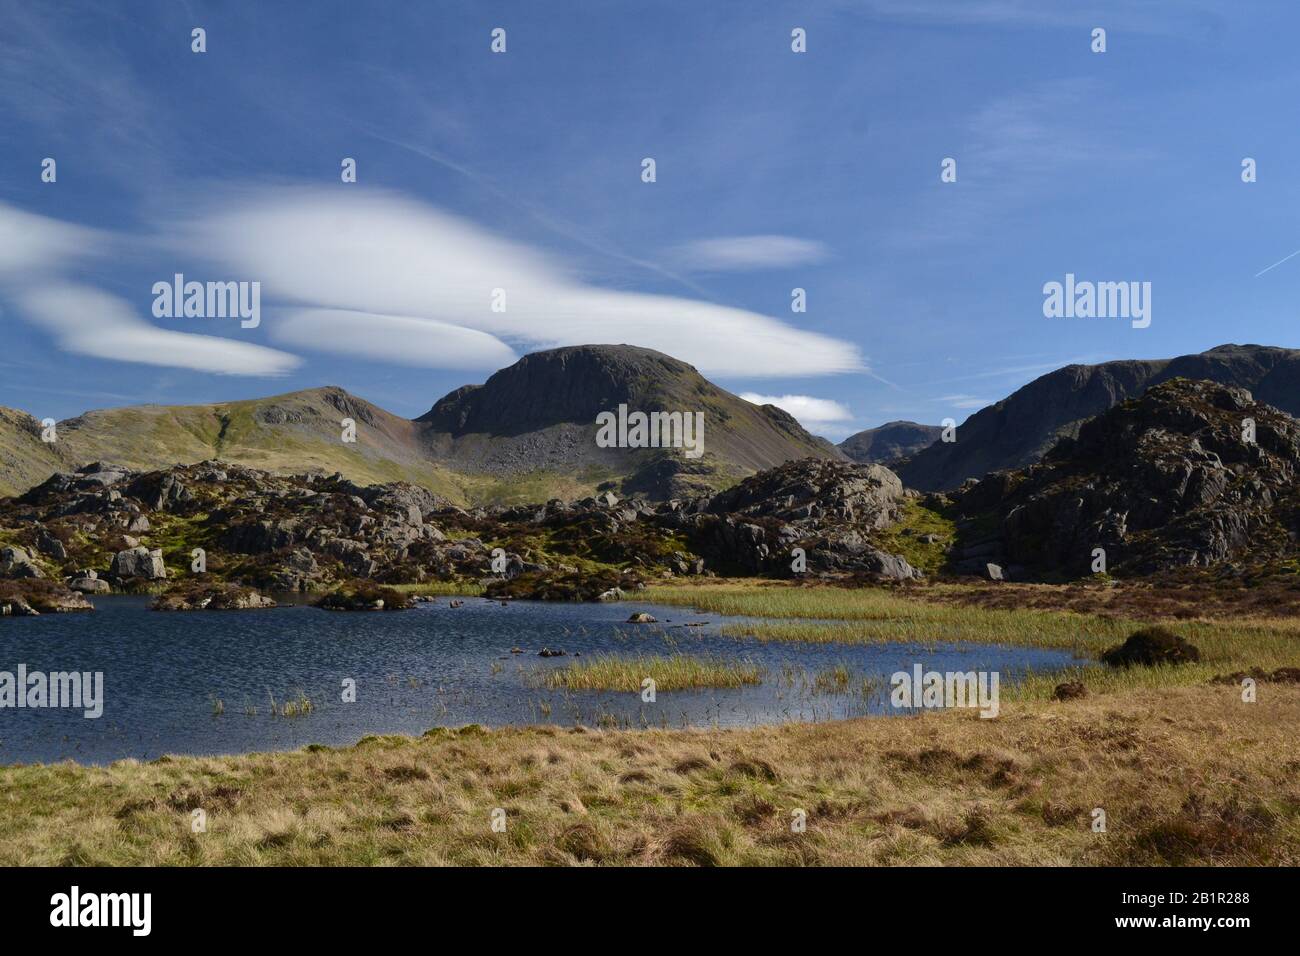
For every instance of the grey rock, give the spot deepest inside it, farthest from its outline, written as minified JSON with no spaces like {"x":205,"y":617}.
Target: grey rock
{"x":139,"y":563}
{"x":89,"y":585}
{"x":15,"y":562}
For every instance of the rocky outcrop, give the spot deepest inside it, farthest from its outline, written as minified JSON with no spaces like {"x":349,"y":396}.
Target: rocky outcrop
{"x":1191,"y":474}
{"x":362,"y":596}
{"x":827,"y":510}
{"x":31,"y":597}
{"x":816,"y":491}
{"x":1017,"y":431}
{"x":312,"y":532}
{"x":211,"y":597}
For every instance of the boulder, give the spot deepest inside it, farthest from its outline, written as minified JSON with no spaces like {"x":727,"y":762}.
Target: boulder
{"x":89,"y":585}
{"x":47,"y":544}
{"x":15,"y":562}
{"x":138,"y":563}
{"x":812,"y":489}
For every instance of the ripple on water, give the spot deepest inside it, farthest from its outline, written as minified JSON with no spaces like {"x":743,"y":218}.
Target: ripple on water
{"x":167,"y":674}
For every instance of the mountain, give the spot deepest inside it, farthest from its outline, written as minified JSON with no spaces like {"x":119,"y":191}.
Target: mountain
{"x":527,"y":434}
{"x":1018,"y":430}
{"x":296,"y":432}
{"x":25,"y":460}
{"x":1191,"y":474}
{"x":889,"y":442}
{"x":540,"y":413}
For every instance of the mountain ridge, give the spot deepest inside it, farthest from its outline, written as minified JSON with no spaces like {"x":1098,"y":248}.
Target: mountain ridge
{"x":1191,"y":474}
{"x":524,"y":434}
{"x":889,"y":442}
{"x":1018,"y":430}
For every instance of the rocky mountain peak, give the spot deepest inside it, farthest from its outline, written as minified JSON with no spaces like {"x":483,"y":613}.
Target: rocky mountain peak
{"x":1018,"y":430}
{"x":1192,"y":473}
{"x":566,"y":385}
{"x":890,"y":442}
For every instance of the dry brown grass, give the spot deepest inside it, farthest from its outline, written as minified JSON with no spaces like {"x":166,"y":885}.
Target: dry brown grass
{"x":1187,"y":775}
{"x":1166,"y":599}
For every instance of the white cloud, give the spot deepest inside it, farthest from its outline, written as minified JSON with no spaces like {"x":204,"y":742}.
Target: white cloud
{"x":90,"y":322}
{"x":742,"y":253}
{"x":378,"y":254}
{"x":32,"y":243}
{"x":963,"y":402}
{"x":820,"y":415}
{"x":425,"y":342}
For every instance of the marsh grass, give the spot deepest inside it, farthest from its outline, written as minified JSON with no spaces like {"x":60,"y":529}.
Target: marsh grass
{"x":880,"y":616}
{"x":1188,"y":776}
{"x":833,"y":680}
{"x":299,"y":706}
{"x":678,"y":672}
{"x":441,"y":588}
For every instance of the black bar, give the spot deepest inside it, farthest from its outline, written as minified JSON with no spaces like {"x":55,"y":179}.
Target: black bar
{"x":302,"y":906}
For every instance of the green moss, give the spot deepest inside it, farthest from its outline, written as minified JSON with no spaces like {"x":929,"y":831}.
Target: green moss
{"x":904,"y":537}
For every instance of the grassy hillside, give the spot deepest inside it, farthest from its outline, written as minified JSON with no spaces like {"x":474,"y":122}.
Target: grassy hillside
{"x":25,"y":460}
{"x":291,"y":433}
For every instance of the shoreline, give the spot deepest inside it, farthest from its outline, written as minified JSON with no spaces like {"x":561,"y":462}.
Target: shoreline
{"x":1185,"y":770}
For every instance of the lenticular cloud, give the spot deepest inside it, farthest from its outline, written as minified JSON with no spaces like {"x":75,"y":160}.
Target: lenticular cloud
{"x":398,"y":280}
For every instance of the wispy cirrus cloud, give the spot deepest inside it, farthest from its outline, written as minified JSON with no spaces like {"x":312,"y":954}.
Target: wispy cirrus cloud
{"x":1137,"y":18}
{"x":746,"y":253}
{"x":1018,"y":145}
{"x":964,"y":402}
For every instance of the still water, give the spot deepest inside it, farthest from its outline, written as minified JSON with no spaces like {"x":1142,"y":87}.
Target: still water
{"x":166,"y":675}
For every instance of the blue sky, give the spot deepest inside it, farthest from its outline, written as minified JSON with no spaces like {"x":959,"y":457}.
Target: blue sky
{"x":522,"y":171}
